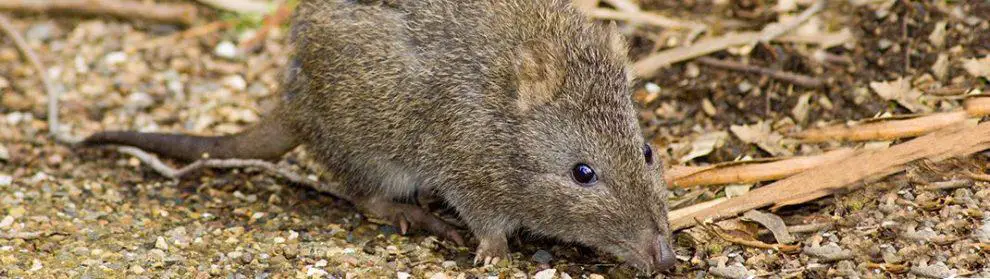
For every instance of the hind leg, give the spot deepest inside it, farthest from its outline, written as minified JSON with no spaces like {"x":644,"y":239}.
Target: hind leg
{"x":407,"y":217}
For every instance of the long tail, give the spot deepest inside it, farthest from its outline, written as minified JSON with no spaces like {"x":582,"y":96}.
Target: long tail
{"x":268,"y":140}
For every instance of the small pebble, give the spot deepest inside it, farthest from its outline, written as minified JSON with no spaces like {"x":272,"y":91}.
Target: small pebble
{"x":235,"y":82}
{"x":6,"y":222}
{"x":226,"y":49}
{"x":542,"y":256}
{"x":545,"y":274}
{"x":161,"y":244}
{"x":139,"y":100}
{"x":449,"y":264}
{"x":115,"y":58}
{"x":403,"y":275}
{"x":137,"y":269}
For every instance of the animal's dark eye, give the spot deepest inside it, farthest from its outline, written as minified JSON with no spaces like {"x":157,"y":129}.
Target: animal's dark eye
{"x":648,"y":153}
{"x":584,"y":174}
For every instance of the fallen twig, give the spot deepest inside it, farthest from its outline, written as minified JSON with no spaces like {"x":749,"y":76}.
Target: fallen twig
{"x":977,"y":176}
{"x":749,"y":171}
{"x":168,"y":172}
{"x":143,"y":10}
{"x":145,"y":157}
{"x":645,"y":18}
{"x":623,"y":5}
{"x":901,"y":128}
{"x":867,"y":165}
{"x":794,"y":78}
{"x":649,"y":65}
{"x":947,"y":185}
{"x":187,"y":34}
{"x":719,"y":232}
{"x":240,"y":6}
{"x":773,"y":31}
{"x":271,"y":21}
{"x":32,"y":58}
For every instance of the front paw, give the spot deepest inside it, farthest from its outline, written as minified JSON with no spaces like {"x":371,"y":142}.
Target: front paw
{"x":491,"y":250}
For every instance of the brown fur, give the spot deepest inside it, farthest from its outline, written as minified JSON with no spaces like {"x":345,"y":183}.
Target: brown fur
{"x":487,"y":103}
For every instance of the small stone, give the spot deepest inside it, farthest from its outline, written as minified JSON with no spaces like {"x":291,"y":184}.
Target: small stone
{"x":235,"y":82}
{"x":35,"y":265}
{"x":6,"y":180}
{"x":315,"y":272}
{"x":564,"y":275}
{"x":278,"y":240}
{"x":115,"y":58}
{"x":4,"y":156}
{"x":161,"y":244}
{"x":596,"y":276}
{"x":439,"y":275}
{"x":6,"y":222}
{"x":403,"y":275}
{"x":226,"y":49}
{"x":40,"y":32}
{"x":449,"y":264}
{"x":320,"y":263}
{"x":137,"y":269}
{"x":884,"y":44}
{"x":17,"y":212}
{"x":545,"y":274}
{"x":139,"y":100}
{"x":542,"y":256}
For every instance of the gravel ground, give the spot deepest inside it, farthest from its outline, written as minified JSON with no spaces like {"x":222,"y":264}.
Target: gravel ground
{"x":100,"y":214}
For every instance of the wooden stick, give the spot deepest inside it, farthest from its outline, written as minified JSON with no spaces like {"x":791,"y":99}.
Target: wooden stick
{"x":273,"y":20}
{"x":651,"y":64}
{"x":867,"y":165}
{"x":720,"y":233}
{"x":644,"y":17}
{"x":794,"y":78}
{"x":901,"y":128}
{"x":193,"y":32}
{"x":749,"y":172}
{"x":160,"y":12}
{"x":623,"y":5}
{"x":774,"y":31}
{"x":32,"y":58}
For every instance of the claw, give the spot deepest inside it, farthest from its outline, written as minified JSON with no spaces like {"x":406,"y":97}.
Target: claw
{"x":403,"y":226}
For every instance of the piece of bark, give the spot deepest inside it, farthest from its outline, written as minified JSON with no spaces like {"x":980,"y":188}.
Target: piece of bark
{"x":897,"y":128}
{"x":866,"y":165}
{"x":749,"y":171}
{"x":159,"y":12}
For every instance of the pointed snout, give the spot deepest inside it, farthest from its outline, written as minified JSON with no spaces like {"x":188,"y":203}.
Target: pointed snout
{"x":663,"y":255}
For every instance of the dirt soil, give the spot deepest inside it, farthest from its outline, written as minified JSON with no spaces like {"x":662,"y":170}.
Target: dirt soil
{"x":100,"y":214}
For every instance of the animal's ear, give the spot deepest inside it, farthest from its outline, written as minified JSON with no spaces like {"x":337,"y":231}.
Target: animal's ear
{"x":540,"y":73}
{"x":617,"y":42}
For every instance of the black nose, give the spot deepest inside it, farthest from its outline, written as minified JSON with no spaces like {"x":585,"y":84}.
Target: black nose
{"x":664,"y":256}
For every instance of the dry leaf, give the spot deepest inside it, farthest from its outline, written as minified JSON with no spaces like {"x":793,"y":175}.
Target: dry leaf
{"x":704,"y":145}
{"x":941,"y":66}
{"x":978,"y":67}
{"x":762,"y":135}
{"x":900,"y":90}
{"x":773,"y":223}
{"x":736,"y":190}
{"x":800,"y":110}
{"x":938,"y":35}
